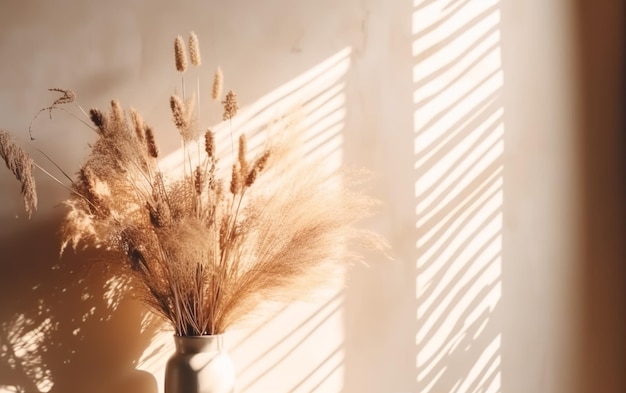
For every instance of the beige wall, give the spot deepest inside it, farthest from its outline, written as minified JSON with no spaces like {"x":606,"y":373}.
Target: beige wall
{"x":542,"y":222}
{"x":464,"y":109}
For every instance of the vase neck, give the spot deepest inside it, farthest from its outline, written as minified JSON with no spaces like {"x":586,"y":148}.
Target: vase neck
{"x":197,"y":344}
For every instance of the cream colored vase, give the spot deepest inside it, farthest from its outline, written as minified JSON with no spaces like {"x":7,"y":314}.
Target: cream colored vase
{"x":200,"y":365}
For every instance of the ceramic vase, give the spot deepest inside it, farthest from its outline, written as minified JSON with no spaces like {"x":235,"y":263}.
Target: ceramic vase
{"x":199,"y":365}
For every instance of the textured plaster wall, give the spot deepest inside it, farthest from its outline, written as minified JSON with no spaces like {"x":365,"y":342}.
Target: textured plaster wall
{"x":61,"y":328}
{"x":467,"y":103}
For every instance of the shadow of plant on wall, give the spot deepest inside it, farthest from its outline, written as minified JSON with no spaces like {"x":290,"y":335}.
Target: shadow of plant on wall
{"x":64,"y":324}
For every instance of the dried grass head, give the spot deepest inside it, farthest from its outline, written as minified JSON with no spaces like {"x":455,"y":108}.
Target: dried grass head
{"x":218,"y":84}
{"x":180,"y":56}
{"x":22,"y":166}
{"x":194,"y":49}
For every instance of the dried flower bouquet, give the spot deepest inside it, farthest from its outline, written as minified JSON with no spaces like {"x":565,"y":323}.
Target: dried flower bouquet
{"x":204,"y":249}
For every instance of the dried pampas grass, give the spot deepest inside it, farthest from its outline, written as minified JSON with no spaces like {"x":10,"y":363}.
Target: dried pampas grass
{"x":200,"y":256}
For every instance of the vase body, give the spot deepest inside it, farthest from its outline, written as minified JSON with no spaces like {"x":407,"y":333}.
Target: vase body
{"x":199,"y":365}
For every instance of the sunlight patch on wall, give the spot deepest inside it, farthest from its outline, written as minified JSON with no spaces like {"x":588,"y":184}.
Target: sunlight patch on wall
{"x":300,"y":347}
{"x":20,"y":350}
{"x":458,"y":161}
{"x":316,"y":98}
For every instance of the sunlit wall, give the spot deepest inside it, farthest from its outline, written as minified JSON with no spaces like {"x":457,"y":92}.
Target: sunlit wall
{"x":461,"y":109}
{"x":459,"y":143}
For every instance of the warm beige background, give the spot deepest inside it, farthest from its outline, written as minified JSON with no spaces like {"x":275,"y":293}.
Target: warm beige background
{"x":468,"y":112}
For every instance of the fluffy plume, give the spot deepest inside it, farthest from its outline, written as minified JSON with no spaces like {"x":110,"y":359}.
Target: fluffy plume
{"x":235,"y":180}
{"x":230,"y":105}
{"x":183,"y":116}
{"x":241,"y":156}
{"x":218,"y":84}
{"x":258,"y":166}
{"x":180,"y":57}
{"x":97,"y":117}
{"x":194,"y":49}
{"x":209,"y":143}
{"x":153,"y":149}
{"x":21,"y":165}
{"x":138,"y":124}
{"x":179,"y":113}
{"x":198,"y":180}
{"x":117,"y":113}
